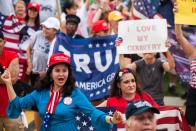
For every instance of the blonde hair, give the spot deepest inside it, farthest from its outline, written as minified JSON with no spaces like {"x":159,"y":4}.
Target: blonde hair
{"x":20,"y":1}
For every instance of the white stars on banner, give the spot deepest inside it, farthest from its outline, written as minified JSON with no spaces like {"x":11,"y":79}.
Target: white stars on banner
{"x":111,"y":43}
{"x":104,"y":90}
{"x":99,"y":45}
{"x":104,"y":44}
{"x":91,"y":95}
{"x":90,"y":45}
{"x":97,"y":92}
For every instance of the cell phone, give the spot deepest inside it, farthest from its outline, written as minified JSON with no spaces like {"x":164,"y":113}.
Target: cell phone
{"x":1,"y":69}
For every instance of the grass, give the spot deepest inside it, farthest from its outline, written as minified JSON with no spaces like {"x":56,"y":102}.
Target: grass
{"x":179,"y":88}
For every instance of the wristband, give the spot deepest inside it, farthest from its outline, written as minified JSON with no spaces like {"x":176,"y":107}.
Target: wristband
{"x":111,"y":120}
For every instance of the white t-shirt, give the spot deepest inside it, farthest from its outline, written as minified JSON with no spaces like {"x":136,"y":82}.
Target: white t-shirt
{"x":40,"y":51}
{"x":63,"y":17}
{"x":82,"y":27}
{"x":48,"y":9}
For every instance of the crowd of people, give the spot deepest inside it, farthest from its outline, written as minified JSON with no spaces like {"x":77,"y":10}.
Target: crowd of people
{"x":27,"y":35}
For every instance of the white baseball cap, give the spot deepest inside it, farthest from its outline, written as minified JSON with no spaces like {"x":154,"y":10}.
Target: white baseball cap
{"x":52,"y":22}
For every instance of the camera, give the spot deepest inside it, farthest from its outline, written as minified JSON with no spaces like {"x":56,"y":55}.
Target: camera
{"x":1,"y":69}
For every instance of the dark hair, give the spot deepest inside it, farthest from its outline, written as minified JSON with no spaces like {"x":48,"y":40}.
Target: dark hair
{"x":46,"y":82}
{"x":104,"y":15}
{"x":1,"y":35}
{"x":68,"y":5}
{"x":115,"y":90}
{"x":37,"y":20}
{"x":72,"y":19}
{"x":157,"y":55}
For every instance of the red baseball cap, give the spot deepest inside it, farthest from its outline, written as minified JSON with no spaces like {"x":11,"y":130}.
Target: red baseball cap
{"x":100,"y":25}
{"x":59,"y":58}
{"x":34,"y":5}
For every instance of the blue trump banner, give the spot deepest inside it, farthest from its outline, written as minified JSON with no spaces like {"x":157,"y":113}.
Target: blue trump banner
{"x":94,"y":62}
{"x":182,"y":63}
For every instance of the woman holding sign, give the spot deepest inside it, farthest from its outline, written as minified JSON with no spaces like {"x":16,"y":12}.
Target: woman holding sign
{"x":150,"y":73}
{"x":190,"y":52}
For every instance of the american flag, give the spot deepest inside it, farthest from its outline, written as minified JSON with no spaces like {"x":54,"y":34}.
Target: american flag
{"x":143,"y":9}
{"x":11,"y":27}
{"x":84,"y":122}
{"x":170,"y":119}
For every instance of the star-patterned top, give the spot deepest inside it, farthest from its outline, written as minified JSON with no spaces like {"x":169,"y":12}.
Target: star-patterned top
{"x":84,"y":122}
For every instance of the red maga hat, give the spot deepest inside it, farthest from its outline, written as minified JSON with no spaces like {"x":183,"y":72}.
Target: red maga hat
{"x":34,"y":5}
{"x":59,"y":58}
{"x":100,"y":25}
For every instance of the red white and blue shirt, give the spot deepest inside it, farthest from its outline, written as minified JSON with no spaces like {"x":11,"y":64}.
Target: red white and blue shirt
{"x":193,"y":73}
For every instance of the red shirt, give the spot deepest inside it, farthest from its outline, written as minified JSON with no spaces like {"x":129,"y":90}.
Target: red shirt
{"x":121,"y":103}
{"x":5,"y":59}
{"x":21,"y":20}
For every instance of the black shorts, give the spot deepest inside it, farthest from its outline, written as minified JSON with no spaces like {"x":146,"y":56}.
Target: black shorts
{"x":190,"y":113}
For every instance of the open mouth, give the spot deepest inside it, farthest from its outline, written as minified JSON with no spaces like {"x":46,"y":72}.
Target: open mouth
{"x":147,"y":130}
{"x":60,"y":79}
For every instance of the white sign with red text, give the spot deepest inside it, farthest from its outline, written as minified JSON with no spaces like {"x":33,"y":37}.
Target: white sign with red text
{"x":142,"y":36}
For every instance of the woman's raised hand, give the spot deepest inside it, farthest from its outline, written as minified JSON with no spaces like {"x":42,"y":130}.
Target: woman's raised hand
{"x":6,"y":77}
{"x":117,"y":117}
